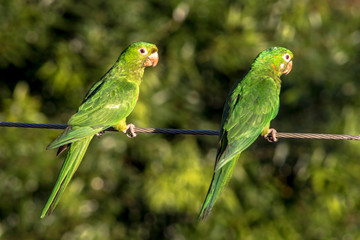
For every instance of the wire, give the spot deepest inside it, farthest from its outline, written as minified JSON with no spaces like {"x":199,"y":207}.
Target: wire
{"x":191,"y":131}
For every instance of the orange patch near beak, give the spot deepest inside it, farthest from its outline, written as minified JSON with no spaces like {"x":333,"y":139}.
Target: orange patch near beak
{"x":288,"y":68}
{"x":152,"y":60}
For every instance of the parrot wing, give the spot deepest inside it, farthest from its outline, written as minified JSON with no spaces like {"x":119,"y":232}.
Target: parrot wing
{"x":108,"y":103}
{"x":103,"y":109}
{"x":247,"y":112}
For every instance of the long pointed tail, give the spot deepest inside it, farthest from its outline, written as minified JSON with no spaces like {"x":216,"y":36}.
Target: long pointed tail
{"x":220,"y":178}
{"x":70,"y":165}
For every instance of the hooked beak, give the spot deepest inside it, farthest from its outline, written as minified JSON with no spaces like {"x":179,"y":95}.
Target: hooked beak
{"x":152,"y":60}
{"x":288,"y":68}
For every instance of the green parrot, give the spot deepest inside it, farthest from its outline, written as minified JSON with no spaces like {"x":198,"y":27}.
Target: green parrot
{"x":252,"y":103}
{"x":107,"y":104}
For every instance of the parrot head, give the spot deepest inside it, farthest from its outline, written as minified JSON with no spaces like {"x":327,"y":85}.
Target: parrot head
{"x":141,"y":54}
{"x":278,"y":59}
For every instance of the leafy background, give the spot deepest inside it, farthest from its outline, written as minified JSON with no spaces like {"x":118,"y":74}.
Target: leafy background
{"x":152,"y":187}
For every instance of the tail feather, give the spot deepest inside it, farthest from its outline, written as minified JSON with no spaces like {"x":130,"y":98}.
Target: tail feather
{"x":220,"y":178}
{"x":70,"y":165}
{"x":73,"y":134}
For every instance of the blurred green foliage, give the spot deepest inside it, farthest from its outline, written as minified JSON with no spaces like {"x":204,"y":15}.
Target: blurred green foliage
{"x":152,"y":187}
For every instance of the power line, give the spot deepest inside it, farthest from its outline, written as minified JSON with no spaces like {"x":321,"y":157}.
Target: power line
{"x":191,"y":131}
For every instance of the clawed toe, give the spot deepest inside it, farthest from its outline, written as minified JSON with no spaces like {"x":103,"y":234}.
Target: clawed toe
{"x":99,"y":134}
{"x":130,"y":130}
{"x":271,"y":135}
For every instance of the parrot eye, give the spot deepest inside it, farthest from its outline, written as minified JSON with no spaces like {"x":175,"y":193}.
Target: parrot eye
{"x":286,"y":57}
{"x":142,"y":51}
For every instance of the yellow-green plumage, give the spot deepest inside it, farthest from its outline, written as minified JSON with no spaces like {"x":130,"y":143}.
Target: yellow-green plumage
{"x":252,"y":103}
{"x":107,"y":104}
{"x":70,"y":165}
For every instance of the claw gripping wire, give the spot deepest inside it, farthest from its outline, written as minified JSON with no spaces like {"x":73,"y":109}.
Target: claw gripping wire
{"x":190,"y":131}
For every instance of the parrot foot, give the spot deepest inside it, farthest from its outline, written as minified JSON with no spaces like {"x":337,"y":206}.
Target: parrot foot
{"x":99,"y":134}
{"x":271,"y":135}
{"x":130,"y":130}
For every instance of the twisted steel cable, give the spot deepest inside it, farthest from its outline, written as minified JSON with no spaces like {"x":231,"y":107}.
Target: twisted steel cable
{"x":190,"y":131}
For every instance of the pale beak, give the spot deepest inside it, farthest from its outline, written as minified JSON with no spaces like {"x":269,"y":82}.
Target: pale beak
{"x":152,"y":60}
{"x":288,"y":68}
